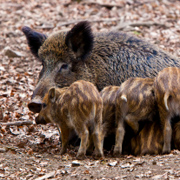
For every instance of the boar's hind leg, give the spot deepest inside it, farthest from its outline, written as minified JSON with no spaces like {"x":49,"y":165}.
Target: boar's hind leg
{"x":84,"y":135}
{"x":120,"y":131}
{"x":167,"y":135}
{"x":65,"y":138}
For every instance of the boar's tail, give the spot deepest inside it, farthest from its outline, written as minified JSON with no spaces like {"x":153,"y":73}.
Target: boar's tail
{"x":123,"y":97}
{"x":166,"y":96}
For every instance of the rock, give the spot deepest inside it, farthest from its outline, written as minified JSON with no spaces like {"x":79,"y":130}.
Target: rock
{"x":43,"y":163}
{"x":63,"y":172}
{"x":127,"y":165}
{"x":112,"y":163}
{"x":76,"y":163}
{"x":2,"y":150}
{"x":2,"y":68}
{"x":160,"y":176}
{"x":11,"y":54}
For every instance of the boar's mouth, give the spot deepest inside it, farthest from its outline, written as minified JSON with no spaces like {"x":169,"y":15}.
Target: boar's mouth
{"x":35,"y":105}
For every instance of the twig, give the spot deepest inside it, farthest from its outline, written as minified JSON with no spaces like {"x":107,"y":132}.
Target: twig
{"x":17,"y":123}
{"x":46,"y":176}
{"x":93,"y":20}
{"x":135,"y":24}
{"x":108,"y":5}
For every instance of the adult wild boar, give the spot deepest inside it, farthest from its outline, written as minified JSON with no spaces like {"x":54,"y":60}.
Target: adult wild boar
{"x":101,"y":58}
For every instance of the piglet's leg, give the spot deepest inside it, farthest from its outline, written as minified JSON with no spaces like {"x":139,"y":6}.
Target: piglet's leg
{"x":84,"y":135}
{"x":65,"y":138}
{"x":106,"y":126}
{"x":119,"y":138}
{"x":167,"y":134}
{"x":98,"y":142}
{"x":90,"y":146}
{"x":97,"y":133}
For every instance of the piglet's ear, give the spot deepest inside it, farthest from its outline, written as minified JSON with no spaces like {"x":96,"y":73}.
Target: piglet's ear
{"x":52,"y":95}
{"x":34,"y":39}
{"x":80,"y":40}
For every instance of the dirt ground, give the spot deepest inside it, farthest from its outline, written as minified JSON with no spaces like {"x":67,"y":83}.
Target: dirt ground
{"x":33,"y":151}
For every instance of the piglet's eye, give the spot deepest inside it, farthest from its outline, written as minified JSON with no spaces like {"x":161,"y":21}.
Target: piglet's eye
{"x":44,"y":105}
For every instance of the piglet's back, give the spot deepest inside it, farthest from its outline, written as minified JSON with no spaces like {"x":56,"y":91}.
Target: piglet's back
{"x":167,"y":81}
{"x":81,"y":96}
{"x":137,"y":90}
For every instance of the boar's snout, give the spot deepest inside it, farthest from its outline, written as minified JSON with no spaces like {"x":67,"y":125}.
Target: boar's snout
{"x":35,"y":105}
{"x":40,"y":120}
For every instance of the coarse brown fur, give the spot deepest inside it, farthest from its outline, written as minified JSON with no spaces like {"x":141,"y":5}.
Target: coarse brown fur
{"x":109,"y":125}
{"x":108,"y":95}
{"x":77,"y":108}
{"x":176,"y":135}
{"x":135,"y":101}
{"x":104,"y":59}
{"x":150,"y":138}
{"x":167,"y":92}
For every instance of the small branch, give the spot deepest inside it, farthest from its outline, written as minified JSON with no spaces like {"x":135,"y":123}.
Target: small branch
{"x":16,"y":123}
{"x":93,"y":20}
{"x":110,"y":5}
{"x":47,"y":176}
{"x":135,"y":24}
{"x":107,"y":5}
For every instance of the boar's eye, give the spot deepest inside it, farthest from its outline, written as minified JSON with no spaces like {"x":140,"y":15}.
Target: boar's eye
{"x":63,"y":67}
{"x":44,"y":105}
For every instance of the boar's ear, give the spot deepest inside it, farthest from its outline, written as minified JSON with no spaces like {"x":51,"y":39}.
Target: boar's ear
{"x":52,"y":95}
{"x":35,"y":39}
{"x":80,"y":40}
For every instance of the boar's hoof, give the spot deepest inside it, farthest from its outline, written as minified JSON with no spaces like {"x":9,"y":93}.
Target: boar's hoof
{"x":80,"y":156}
{"x":117,"y":153}
{"x":166,"y":150}
{"x":98,"y":156}
{"x":63,"y":151}
{"x":89,"y":151}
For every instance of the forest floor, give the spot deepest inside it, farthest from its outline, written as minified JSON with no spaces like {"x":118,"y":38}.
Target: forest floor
{"x":33,"y":151}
